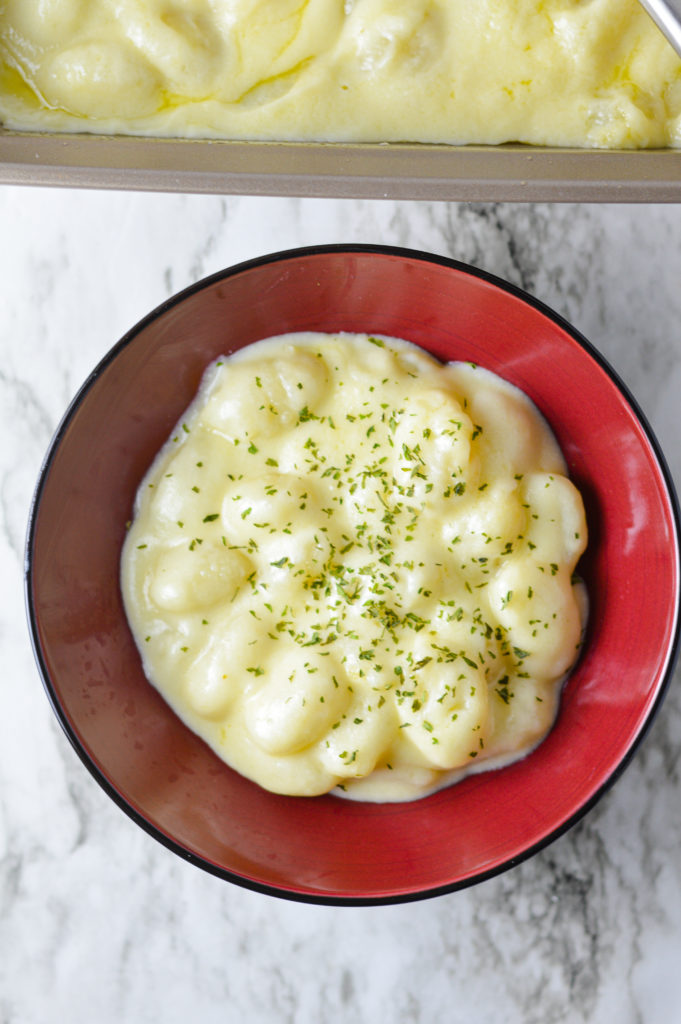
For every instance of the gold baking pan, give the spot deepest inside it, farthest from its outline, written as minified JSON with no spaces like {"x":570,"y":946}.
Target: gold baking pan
{"x":368,"y":171}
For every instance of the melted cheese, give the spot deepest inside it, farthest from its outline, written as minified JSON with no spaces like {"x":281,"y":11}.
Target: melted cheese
{"x":592,"y":73}
{"x":352,"y":566}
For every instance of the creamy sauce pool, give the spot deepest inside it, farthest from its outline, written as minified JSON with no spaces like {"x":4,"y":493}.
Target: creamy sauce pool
{"x":564,"y":72}
{"x":351,"y":568}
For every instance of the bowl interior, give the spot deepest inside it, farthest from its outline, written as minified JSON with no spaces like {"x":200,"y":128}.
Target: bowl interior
{"x":324,"y":848}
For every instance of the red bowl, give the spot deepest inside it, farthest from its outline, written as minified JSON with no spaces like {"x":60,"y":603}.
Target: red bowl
{"x":323,"y":849}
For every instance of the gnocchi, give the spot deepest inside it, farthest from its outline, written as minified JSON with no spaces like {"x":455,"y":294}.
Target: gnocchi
{"x":586,"y":73}
{"x":350,"y":569}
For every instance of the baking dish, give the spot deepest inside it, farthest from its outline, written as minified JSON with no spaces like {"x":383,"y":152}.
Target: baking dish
{"x":369,"y":171}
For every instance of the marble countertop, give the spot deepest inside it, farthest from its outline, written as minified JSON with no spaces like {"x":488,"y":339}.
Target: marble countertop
{"x":98,"y":922}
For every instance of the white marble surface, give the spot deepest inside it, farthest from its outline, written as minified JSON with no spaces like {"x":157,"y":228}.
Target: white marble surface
{"x":99,"y":923}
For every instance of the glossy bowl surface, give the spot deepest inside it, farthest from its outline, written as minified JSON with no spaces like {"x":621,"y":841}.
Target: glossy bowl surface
{"x":324,"y":849}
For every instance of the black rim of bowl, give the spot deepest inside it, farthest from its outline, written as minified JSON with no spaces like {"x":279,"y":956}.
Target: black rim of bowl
{"x":103,"y":781}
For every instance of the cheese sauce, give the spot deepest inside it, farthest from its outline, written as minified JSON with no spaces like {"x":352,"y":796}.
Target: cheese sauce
{"x":351,"y":567}
{"x":595,"y":73}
